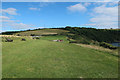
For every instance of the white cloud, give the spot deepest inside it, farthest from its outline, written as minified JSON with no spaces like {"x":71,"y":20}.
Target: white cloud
{"x":102,"y":26}
{"x":111,"y":11}
{"x":42,"y":4}
{"x":12,"y":24}
{"x":109,"y":0}
{"x":17,"y":26}
{"x":11,"y":11}
{"x":87,"y":4}
{"x":7,"y":21}
{"x":20,"y":26}
{"x":4,"y":17}
{"x":77,"y":8}
{"x":41,"y":27}
{"x":34,"y":8}
{"x":113,"y":3}
{"x":9,"y":24}
{"x":105,"y":17}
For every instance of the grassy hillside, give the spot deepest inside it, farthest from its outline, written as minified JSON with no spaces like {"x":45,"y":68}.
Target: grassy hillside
{"x":41,"y":32}
{"x":81,"y":35}
{"x":100,"y":35}
{"x":44,"y":58}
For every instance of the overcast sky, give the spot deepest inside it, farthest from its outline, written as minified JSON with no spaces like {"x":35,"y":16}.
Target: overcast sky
{"x":30,"y":15}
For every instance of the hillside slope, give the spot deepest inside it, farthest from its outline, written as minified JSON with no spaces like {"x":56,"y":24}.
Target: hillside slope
{"x":47,"y":59}
{"x":38,"y":32}
{"x":80,"y":34}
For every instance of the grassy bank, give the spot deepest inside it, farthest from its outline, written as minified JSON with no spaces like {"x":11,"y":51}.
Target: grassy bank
{"x":44,"y":58}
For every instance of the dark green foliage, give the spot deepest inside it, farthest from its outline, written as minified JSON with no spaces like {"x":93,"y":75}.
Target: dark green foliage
{"x":107,"y":45}
{"x":32,"y":35}
{"x":9,"y":32}
{"x":23,"y":39}
{"x":7,"y":40}
{"x":49,"y":35}
{"x":37,"y":38}
{"x":83,"y":42}
{"x":64,"y":33}
{"x":100,"y":35}
{"x":79,"y":35}
{"x":18,"y":34}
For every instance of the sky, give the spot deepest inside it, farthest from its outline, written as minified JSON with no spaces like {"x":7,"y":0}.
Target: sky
{"x":32,"y":15}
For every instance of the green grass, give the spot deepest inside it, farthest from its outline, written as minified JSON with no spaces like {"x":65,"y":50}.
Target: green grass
{"x":47,"y":59}
{"x":42,"y":32}
{"x":58,"y":37}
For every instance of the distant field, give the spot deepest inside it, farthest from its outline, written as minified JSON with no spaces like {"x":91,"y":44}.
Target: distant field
{"x":42,"y":32}
{"x":44,"y":58}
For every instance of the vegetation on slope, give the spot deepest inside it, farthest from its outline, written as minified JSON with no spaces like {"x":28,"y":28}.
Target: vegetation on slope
{"x":38,"y":32}
{"x":100,"y":35}
{"x":44,"y":58}
{"x":78,"y":35}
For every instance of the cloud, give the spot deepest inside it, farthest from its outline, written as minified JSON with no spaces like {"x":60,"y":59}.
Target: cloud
{"x":112,"y":3}
{"x":7,"y":21}
{"x":9,"y":24}
{"x":34,"y":9}
{"x":109,"y":0}
{"x":41,"y":27}
{"x":11,"y":11}
{"x":20,"y":26}
{"x":106,"y":10}
{"x":12,"y":24}
{"x":4,"y":17}
{"x":102,"y":26}
{"x":17,"y":26}
{"x":105,"y":17}
{"x":77,"y":8}
{"x":87,"y":4}
{"x":43,"y":4}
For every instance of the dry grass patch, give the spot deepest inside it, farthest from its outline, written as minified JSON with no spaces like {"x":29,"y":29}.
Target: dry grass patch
{"x":9,"y":36}
{"x":98,"y":48}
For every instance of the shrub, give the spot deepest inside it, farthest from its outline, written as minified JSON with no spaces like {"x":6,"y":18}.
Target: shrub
{"x":23,"y":39}
{"x":8,"y":40}
{"x":18,"y":34}
{"x":32,"y":35}
{"x":72,"y":41}
{"x":82,"y":41}
{"x":107,"y":45}
{"x":37,"y":38}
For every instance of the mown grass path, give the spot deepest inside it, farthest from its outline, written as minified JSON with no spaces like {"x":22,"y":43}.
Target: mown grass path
{"x":47,"y":59}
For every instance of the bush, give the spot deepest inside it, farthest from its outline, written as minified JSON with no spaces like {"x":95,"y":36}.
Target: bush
{"x":18,"y":34}
{"x":72,"y":41}
{"x":8,"y":40}
{"x":82,"y":41}
{"x":107,"y":45}
{"x":37,"y":38}
{"x":23,"y":39}
{"x":32,"y":35}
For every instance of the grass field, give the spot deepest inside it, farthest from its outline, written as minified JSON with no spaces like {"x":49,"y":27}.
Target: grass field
{"x":42,"y":32}
{"x":47,"y":59}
